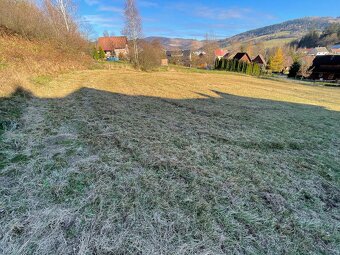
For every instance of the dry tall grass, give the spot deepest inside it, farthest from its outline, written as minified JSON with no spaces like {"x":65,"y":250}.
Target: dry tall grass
{"x":22,"y":59}
{"x":184,"y":85}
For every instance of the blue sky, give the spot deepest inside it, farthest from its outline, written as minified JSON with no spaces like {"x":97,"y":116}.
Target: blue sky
{"x":193,"y":18}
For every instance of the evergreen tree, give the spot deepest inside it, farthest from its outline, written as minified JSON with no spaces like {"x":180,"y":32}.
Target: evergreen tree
{"x":294,"y":69}
{"x":310,"y":40}
{"x":222,"y":64}
{"x":256,"y":70}
{"x":101,"y":53}
{"x":227,"y":65}
{"x":249,"y":70}
{"x":95,"y":54}
{"x":216,"y":63}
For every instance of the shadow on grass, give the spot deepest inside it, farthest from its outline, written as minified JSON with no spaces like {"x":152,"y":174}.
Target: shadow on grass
{"x":137,"y":174}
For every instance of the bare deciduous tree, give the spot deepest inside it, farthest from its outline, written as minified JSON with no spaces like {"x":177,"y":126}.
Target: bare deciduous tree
{"x":133,"y":27}
{"x":61,"y":12}
{"x":210,"y":45}
{"x":63,"y":6}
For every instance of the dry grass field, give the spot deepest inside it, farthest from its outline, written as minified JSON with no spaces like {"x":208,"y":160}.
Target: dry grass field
{"x":171,"y":162}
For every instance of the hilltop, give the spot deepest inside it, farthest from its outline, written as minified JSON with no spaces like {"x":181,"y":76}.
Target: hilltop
{"x":285,"y":31}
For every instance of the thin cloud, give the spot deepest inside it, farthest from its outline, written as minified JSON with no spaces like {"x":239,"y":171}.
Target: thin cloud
{"x":110,"y":9}
{"x":221,"y":14}
{"x":92,"y":2}
{"x":107,"y":22}
{"x":145,"y":3}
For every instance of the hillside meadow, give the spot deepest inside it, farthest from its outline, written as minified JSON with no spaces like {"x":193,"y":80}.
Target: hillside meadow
{"x":118,"y":161}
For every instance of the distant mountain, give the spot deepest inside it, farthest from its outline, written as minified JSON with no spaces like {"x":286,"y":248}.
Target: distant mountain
{"x":270,"y":36}
{"x":177,"y":43}
{"x":283,"y":32}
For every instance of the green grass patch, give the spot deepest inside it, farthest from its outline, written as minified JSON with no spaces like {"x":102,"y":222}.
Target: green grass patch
{"x":42,"y":79}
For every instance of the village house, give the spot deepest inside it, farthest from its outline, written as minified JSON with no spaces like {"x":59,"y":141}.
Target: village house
{"x":183,"y":57}
{"x":199,"y":53}
{"x":318,"y":51}
{"x":219,"y":53}
{"x":114,"y":45}
{"x":335,"y":49}
{"x":243,"y":57}
{"x":326,"y":68}
{"x":304,"y":50}
{"x":259,"y":59}
{"x":228,"y":55}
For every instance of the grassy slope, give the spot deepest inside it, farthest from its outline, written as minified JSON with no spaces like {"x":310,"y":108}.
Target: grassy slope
{"x":23,"y":60}
{"x":161,"y":163}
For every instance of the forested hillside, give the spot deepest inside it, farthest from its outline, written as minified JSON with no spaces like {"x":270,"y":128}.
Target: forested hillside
{"x":328,"y":37}
{"x":292,"y":30}
{"x":271,"y":36}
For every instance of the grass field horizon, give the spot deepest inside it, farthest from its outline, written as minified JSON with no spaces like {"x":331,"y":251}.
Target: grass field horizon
{"x":171,"y":162}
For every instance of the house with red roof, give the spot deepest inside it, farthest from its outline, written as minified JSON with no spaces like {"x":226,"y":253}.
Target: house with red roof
{"x":219,"y":53}
{"x":114,"y":45}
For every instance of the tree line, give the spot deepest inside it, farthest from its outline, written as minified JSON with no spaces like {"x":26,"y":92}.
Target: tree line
{"x":233,"y":65}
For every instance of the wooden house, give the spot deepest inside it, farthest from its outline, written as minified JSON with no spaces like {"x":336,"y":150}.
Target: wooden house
{"x":259,"y":59}
{"x":326,"y":68}
{"x":242,"y":57}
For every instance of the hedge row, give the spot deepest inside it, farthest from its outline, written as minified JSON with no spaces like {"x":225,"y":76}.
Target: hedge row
{"x":234,"y":65}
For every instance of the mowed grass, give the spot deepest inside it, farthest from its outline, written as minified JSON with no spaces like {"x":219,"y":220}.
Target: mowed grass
{"x":125,"y":162}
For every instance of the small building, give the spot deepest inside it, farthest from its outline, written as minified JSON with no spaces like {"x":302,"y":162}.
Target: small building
{"x":242,"y":57}
{"x":114,"y":45}
{"x":259,"y":59}
{"x":304,"y":50}
{"x":336,"y":49}
{"x":183,"y":57}
{"x":164,"y":62}
{"x":199,"y":53}
{"x":326,"y":68}
{"x":318,"y":51}
{"x":219,"y":53}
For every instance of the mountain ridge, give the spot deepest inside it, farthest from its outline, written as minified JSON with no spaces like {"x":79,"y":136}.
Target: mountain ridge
{"x":271,"y":35}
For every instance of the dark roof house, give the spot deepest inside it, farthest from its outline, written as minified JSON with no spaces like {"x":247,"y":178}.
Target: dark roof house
{"x":242,"y":56}
{"x":259,"y":59}
{"x":326,"y":67}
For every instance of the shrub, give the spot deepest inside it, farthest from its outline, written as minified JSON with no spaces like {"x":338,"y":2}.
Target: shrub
{"x":101,"y":53}
{"x":150,"y":55}
{"x":95,"y":54}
